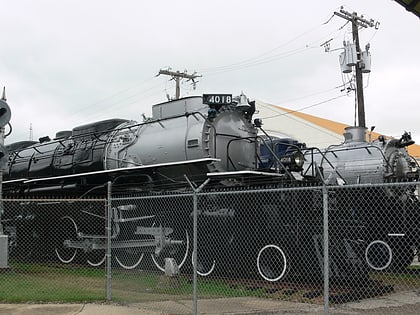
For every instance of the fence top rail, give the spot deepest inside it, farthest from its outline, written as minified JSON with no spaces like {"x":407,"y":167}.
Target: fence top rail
{"x":70,"y":200}
{"x":244,"y":190}
{"x":391,"y":184}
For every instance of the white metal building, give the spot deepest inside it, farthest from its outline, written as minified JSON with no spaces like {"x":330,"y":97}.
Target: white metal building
{"x":312,"y":130}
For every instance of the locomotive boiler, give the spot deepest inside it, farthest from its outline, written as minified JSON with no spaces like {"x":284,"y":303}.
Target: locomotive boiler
{"x":212,"y":138}
{"x":358,"y":161}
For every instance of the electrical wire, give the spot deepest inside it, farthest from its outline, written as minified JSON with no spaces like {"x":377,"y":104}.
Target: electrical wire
{"x":305,"y":107}
{"x":258,"y":57}
{"x":120,"y":98}
{"x":263,"y":58}
{"x":299,"y":121}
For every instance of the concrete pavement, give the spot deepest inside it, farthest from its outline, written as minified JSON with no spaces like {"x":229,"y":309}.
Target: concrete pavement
{"x":398,"y":303}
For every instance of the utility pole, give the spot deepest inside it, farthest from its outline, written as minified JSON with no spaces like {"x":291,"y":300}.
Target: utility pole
{"x":177,"y":76}
{"x":357,"y":21}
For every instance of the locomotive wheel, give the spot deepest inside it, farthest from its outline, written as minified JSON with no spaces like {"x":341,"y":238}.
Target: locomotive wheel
{"x":204,"y":266}
{"x":128,"y":258}
{"x":67,"y":231}
{"x":396,"y":256}
{"x":177,"y":251}
{"x":96,"y":258}
{"x":272,"y":263}
{"x":378,"y":255}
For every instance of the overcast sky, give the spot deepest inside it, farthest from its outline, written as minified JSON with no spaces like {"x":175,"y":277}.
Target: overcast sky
{"x":67,"y":63}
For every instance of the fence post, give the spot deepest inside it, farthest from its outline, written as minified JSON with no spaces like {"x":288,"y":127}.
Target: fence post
{"x":326,"y":254}
{"x":195,"y":205}
{"x":108,"y":243}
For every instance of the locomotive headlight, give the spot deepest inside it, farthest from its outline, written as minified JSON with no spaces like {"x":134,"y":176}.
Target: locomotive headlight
{"x":299,"y":158}
{"x":294,"y":160}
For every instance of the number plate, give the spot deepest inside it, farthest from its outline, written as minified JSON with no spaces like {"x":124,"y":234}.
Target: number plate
{"x":217,"y":99}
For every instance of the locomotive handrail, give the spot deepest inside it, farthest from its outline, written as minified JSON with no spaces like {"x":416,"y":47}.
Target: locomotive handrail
{"x":312,"y":149}
{"x":95,"y":133}
{"x":276,"y":157}
{"x":268,"y":136}
{"x":124,"y":161}
{"x":414,"y":160}
{"x":123,"y":169}
{"x":359,"y":148}
{"x":271,"y":151}
{"x":228,"y":159}
{"x":328,"y":150}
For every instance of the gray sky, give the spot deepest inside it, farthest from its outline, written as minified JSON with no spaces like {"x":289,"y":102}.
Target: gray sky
{"x":67,"y":63}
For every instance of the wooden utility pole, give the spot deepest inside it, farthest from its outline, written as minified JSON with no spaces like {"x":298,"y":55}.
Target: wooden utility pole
{"x":177,"y":76}
{"x":357,"y":21}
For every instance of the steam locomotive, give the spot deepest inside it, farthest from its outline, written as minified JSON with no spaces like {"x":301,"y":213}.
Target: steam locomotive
{"x":211,"y":137}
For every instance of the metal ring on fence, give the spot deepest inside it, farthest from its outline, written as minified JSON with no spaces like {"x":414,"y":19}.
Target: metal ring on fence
{"x":374,"y":253}
{"x":260,"y":263}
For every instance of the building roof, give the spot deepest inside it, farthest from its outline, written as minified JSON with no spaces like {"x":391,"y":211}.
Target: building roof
{"x":314,"y":131}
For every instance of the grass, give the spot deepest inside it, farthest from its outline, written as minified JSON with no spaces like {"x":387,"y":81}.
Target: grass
{"x":403,"y":281}
{"x":64,"y":283}
{"x":69,"y":283}
{"x":145,"y":286}
{"x":35,"y":282}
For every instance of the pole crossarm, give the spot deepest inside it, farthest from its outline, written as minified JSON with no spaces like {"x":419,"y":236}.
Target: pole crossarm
{"x":177,"y":76}
{"x":359,"y":20}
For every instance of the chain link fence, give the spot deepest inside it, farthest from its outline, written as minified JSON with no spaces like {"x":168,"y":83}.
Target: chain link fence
{"x":52,"y":250}
{"x":268,"y":243}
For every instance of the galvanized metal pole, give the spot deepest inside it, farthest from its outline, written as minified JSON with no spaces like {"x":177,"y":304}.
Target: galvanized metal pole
{"x":195,"y":247}
{"x":4,"y":239}
{"x":1,"y":185}
{"x":195,"y":289}
{"x":326,"y":254}
{"x":108,"y":244}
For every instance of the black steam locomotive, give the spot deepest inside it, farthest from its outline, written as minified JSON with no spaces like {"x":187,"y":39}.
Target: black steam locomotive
{"x":211,"y":137}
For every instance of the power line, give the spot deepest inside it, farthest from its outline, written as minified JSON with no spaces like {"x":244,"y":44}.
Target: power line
{"x":303,"y":108}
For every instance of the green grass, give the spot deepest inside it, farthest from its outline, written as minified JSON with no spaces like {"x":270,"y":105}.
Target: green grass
{"x":400,"y":281}
{"x":66,"y":283}
{"x":145,"y":286}
{"x":70,"y":283}
{"x":33,"y":282}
